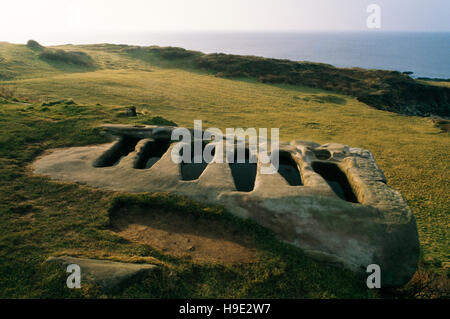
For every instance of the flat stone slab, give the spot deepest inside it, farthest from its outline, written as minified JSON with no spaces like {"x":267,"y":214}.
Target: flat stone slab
{"x":330,"y":200}
{"x":109,"y":275}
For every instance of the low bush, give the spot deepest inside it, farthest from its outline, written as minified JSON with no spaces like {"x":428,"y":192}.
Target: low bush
{"x":68,"y":57}
{"x":34,"y":45}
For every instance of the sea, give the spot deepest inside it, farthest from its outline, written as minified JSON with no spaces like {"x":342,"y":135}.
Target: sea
{"x":426,"y":54}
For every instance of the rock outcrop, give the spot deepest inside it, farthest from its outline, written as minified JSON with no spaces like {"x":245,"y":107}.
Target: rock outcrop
{"x":109,"y":275}
{"x":330,"y":200}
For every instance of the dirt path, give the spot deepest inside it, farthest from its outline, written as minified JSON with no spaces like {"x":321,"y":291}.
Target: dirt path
{"x":185,"y":235}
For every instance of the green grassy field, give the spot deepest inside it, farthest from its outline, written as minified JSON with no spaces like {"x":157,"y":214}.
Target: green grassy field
{"x":40,"y":218}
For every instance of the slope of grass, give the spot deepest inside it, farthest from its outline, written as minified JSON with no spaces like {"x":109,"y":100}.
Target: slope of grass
{"x":385,"y":90}
{"x":21,"y":61}
{"x":438,"y":83}
{"x":412,"y":152}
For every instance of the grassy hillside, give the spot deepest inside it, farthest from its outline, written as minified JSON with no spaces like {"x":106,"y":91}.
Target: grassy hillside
{"x":385,"y":90}
{"x":412,"y":152}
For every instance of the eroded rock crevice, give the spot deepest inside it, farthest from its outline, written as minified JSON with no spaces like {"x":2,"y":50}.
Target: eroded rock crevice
{"x":151,"y":152}
{"x":244,"y":174}
{"x":118,"y":151}
{"x":194,"y":168}
{"x":288,"y":169}
{"x":336,"y":179}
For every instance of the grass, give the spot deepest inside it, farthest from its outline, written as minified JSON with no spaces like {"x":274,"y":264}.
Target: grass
{"x":385,"y":90}
{"x":438,"y":83}
{"x":40,"y":217}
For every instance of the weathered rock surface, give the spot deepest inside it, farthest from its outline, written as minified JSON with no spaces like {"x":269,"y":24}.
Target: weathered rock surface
{"x":330,"y":200}
{"x":110,"y":275}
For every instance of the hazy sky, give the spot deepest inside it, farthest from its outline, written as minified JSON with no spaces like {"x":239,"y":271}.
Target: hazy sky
{"x":44,"y":19}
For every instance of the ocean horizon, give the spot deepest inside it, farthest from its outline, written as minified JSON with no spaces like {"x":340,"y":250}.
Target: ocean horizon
{"x":426,"y":54}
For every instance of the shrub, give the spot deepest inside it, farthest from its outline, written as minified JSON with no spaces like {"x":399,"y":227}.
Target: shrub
{"x":63,"y":101}
{"x":166,"y":53}
{"x":72,"y":57}
{"x":172,"y":53}
{"x":34,"y":45}
{"x":158,"y":120}
{"x":333,"y":99}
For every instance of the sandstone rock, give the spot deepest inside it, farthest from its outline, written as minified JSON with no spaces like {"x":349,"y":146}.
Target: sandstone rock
{"x":110,"y":275}
{"x":330,"y":200}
